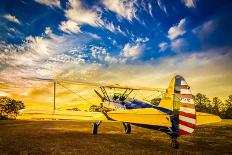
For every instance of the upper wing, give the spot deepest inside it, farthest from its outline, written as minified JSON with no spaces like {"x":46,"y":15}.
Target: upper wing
{"x":98,"y":84}
{"x":149,"y":116}
{"x":204,"y":118}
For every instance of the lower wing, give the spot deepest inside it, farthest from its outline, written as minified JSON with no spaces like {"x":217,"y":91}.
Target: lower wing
{"x":41,"y":114}
{"x":140,"y":116}
{"x":149,"y":116}
{"x":204,"y":118}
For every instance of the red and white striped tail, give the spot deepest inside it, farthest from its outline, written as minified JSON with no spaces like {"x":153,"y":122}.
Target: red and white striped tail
{"x":187,"y":112}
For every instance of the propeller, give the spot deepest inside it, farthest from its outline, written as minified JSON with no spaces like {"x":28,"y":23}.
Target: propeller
{"x":99,"y":95}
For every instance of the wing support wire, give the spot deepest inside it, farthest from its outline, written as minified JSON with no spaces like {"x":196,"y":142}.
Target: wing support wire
{"x":105,"y":93}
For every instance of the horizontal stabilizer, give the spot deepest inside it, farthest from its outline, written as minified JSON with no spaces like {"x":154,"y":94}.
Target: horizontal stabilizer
{"x":204,"y":118}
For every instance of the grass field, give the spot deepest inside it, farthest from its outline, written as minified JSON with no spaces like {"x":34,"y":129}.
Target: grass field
{"x":68,"y":137}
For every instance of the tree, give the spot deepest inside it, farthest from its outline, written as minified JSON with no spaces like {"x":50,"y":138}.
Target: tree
{"x":9,"y":108}
{"x":228,"y":105}
{"x":202,"y":102}
{"x":217,"y":106}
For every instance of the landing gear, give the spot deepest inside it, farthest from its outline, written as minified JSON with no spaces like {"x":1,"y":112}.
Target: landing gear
{"x":127,"y":128}
{"x":95,"y":127}
{"x":174,"y":143}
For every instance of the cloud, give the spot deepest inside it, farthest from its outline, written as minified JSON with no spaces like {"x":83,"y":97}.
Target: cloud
{"x":178,"y":45}
{"x":177,"y":30}
{"x":142,"y":40}
{"x":11,"y":18}
{"x":50,"y":3}
{"x":113,"y":29}
{"x":48,"y":31}
{"x":77,"y":13}
{"x":125,"y":9}
{"x":150,"y":9}
{"x":162,"y":6}
{"x":69,"y":27}
{"x":100,"y":54}
{"x":215,"y":32}
{"x":163,"y":46}
{"x":190,"y":3}
{"x":132,"y":51}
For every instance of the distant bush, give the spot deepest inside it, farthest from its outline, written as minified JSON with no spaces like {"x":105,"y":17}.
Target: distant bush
{"x":9,"y":108}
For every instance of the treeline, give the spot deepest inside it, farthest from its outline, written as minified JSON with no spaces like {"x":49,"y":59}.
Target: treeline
{"x":9,"y":108}
{"x":214,"y":106}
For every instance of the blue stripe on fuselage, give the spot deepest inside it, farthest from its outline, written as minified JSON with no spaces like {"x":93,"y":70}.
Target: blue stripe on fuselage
{"x":137,"y":104}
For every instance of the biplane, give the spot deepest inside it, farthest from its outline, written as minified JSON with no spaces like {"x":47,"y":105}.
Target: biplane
{"x":175,"y":115}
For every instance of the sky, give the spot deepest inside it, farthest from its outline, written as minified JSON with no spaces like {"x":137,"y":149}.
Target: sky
{"x":129,"y":42}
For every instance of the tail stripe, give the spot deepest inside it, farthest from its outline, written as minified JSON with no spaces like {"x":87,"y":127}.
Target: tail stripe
{"x":182,"y":132}
{"x":186,"y":119}
{"x":183,"y":82}
{"x":188,"y":110}
{"x":185,"y":128}
{"x":187,"y":124}
{"x":185,"y":91}
{"x":186,"y":105}
{"x":187,"y":115}
{"x":188,"y":96}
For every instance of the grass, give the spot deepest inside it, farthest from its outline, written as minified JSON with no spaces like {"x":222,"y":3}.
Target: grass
{"x":70,"y":137}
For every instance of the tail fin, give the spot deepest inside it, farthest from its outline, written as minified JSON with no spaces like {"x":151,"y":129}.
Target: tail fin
{"x":179,"y":99}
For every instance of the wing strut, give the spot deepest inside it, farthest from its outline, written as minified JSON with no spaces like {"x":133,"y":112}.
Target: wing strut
{"x":54,"y":99}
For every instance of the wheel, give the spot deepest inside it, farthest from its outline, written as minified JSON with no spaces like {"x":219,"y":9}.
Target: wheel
{"x":95,"y":126}
{"x":127,"y":128}
{"x":174,"y":144}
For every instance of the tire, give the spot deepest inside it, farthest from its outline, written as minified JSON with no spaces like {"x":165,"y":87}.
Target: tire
{"x":174,"y":144}
{"x":128,"y":129}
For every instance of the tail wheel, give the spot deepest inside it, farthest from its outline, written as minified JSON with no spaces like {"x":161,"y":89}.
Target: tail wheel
{"x":95,"y":126}
{"x":127,"y":128}
{"x":174,"y":144}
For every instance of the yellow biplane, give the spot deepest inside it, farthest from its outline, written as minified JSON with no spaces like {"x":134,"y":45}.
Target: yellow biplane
{"x":175,"y":115}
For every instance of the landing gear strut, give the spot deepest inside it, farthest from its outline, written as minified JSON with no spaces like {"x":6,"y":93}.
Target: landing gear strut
{"x":127,"y":128}
{"x":174,"y":143}
{"x":95,"y":127}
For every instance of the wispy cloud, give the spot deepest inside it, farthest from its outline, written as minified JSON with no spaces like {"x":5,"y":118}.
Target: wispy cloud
{"x":162,"y":6}
{"x":177,"y":30}
{"x":77,"y":13}
{"x":69,"y":27}
{"x":50,"y":3}
{"x":163,"y":46}
{"x":11,"y":18}
{"x":131,"y":51}
{"x":100,"y":54}
{"x":125,"y":9}
{"x":190,"y":3}
{"x":178,"y":45}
